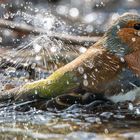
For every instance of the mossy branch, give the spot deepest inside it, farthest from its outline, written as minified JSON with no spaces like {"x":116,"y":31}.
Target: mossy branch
{"x":59,"y":82}
{"x":68,"y":77}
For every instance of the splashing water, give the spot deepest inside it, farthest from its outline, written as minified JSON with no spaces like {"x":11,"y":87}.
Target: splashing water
{"x":44,"y":54}
{"x":42,"y":51}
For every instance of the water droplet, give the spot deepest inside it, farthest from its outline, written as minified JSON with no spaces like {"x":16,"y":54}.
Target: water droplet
{"x":74,"y":12}
{"x":0,"y":39}
{"x":119,"y":116}
{"x":62,"y":10}
{"x":67,"y":82}
{"x":118,"y":27}
{"x":25,"y":64}
{"x":53,"y":49}
{"x":98,"y":120}
{"x":48,"y":22}
{"x":138,"y":33}
{"x":37,"y":47}
{"x":3,"y":5}
{"x":33,"y":65}
{"x":85,"y":76}
{"x":37,"y":58}
{"x":81,"y":70}
{"x":82,"y":49}
{"x":106,"y":131}
{"x":96,"y":70}
{"x":130,"y":106}
{"x":85,"y":83}
{"x":36,"y":92}
{"x":122,"y":59}
{"x":97,"y":5}
{"x":89,"y":28}
{"x":137,"y":111}
{"x":92,"y":83}
{"x":90,"y":17}
{"x":6,"y":16}
{"x":36,"y":10}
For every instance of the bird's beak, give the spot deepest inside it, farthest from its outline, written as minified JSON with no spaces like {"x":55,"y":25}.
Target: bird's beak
{"x":133,"y":61}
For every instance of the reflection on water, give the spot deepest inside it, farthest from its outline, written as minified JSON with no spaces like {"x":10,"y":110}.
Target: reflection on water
{"x":73,"y":123}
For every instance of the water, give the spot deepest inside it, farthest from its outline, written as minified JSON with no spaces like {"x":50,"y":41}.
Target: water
{"x":76,"y":122}
{"x":29,"y":57}
{"x":72,"y":123}
{"x":116,"y":122}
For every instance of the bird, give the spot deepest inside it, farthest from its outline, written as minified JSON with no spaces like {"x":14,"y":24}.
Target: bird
{"x":109,"y":69}
{"x":114,"y":73}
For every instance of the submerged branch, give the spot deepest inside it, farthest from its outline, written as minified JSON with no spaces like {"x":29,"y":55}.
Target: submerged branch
{"x":27,"y":29}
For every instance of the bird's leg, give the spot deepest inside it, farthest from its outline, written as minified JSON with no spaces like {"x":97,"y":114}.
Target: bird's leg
{"x":87,"y":99}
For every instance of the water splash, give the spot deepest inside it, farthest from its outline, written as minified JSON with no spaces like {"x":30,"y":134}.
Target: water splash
{"x":44,"y":52}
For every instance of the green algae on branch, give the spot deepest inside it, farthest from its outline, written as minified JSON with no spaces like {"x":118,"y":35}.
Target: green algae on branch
{"x":57,"y":83}
{"x":69,"y":77}
{"x":100,"y":63}
{"x":64,"y":80}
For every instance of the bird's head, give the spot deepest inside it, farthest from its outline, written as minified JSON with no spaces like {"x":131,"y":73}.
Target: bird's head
{"x":123,"y":40}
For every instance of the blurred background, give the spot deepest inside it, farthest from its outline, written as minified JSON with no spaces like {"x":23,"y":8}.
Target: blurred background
{"x":79,"y":17}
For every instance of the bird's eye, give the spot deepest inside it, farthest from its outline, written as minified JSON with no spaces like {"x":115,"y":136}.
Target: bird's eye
{"x":137,"y":26}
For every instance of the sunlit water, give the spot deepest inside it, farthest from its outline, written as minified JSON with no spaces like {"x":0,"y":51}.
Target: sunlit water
{"x":72,"y":123}
{"x":44,"y":55}
{"x":76,"y":122}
